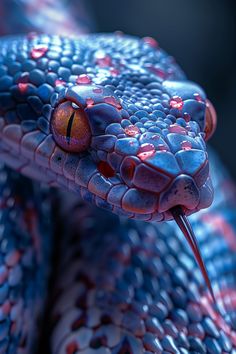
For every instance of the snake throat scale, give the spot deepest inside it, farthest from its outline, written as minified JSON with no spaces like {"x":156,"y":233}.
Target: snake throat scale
{"x":116,"y":134}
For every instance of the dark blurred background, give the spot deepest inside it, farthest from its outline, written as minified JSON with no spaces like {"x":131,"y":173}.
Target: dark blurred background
{"x":201,"y":35}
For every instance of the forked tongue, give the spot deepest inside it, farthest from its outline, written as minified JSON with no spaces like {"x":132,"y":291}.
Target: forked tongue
{"x":184,"y":225}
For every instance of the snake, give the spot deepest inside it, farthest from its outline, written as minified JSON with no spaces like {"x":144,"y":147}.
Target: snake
{"x":103,"y":162}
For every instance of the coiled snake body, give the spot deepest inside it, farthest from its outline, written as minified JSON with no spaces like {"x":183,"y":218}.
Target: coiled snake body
{"x":112,"y":119}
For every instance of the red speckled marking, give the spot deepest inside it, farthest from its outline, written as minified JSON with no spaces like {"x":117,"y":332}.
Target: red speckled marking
{"x":103,"y":60}
{"x":186,"y":145}
{"x":175,"y":128}
{"x":38,"y":51}
{"x":22,"y":87}
{"x":151,"y":41}
{"x":59,"y":82}
{"x":146,"y":151}
{"x":176,"y":102}
{"x":132,"y":130}
{"x":111,"y":100}
{"x":83,"y":79}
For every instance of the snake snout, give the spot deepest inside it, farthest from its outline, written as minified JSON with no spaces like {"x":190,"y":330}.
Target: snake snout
{"x":182,"y":191}
{"x":180,"y":179}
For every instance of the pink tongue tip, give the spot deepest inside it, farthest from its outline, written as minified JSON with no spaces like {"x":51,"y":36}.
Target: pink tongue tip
{"x":184,"y":225}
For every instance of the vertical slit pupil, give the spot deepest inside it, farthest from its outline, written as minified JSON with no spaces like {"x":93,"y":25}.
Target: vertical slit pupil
{"x":69,"y":127}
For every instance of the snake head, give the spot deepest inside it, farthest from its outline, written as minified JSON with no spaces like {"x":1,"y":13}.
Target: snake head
{"x":139,"y":163}
{"x":109,"y":117}
{"x":142,"y":163}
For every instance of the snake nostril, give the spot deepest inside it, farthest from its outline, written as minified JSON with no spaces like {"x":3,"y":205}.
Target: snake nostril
{"x":105,"y":169}
{"x":182,"y":191}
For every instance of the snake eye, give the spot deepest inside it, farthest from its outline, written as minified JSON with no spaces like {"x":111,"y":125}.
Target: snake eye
{"x":70,"y":127}
{"x":210,"y":120}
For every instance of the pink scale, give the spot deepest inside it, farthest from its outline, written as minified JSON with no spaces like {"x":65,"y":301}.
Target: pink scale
{"x":132,"y":130}
{"x":98,"y":90}
{"x":176,"y":102}
{"x":162,"y":147}
{"x":71,"y":348}
{"x":59,"y":82}
{"x":103,"y":60}
{"x":114,"y":72}
{"x":175,"y":128}
{"x":112,"y":101}
{"x":22,"y":87}
{"x":83,"y":79}
{"x":157,"y":71}
{"x":145,"y":151}
{"x":89,"y":102}
{"x":186,"y":145}
{"x":38,"y":51}
{"x":151,"y":41}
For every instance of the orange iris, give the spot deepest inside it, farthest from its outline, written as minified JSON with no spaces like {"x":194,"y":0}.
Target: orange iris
{"x":70,"y":128}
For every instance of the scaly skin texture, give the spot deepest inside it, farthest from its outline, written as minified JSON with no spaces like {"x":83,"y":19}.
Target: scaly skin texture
{"x":112,"y":118}
{"x":120,"y":84}
{"x":141,"y":291}
{"x":25,"y":246}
